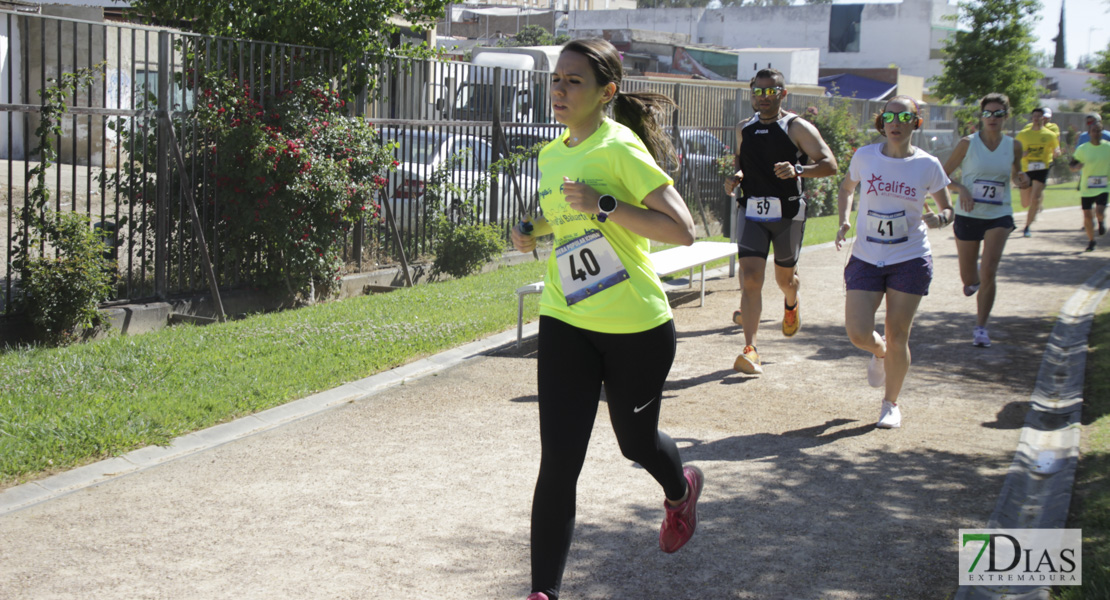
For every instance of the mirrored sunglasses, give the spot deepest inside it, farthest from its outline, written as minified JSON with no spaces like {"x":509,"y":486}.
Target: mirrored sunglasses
{"x":770,"y":91}
{"x":1002,"y":112}
{"x":904,"y":116}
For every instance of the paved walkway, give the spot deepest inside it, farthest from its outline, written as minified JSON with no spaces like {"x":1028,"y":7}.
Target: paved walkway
{"x":423,"y":490}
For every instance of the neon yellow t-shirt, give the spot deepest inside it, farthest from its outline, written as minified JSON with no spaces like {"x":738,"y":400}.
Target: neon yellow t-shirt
{"x":1096,"y":168}
{"x":613,"y":161}
{"x":1040,"y":145}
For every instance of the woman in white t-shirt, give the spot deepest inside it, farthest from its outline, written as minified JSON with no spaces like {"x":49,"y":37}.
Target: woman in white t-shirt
{"x":891,"y":257}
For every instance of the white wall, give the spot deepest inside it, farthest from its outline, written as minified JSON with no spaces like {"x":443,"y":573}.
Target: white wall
{"x":798,"y":65}
{"x":11,"y":61}
{"x":1072,"y":84}
{"x":902,"y":34}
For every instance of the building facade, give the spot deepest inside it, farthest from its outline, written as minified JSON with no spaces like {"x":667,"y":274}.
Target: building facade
{"x":908,"y":34}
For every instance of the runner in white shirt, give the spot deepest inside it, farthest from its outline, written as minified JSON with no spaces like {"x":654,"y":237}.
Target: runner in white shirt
{"x":891,"y":257}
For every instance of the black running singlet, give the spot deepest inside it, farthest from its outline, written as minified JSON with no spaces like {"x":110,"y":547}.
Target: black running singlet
{"x":763,"y":145}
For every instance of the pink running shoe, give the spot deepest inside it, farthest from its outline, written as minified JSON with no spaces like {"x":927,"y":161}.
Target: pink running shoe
{"x":537,"y":596}
{"x":681,"y":521}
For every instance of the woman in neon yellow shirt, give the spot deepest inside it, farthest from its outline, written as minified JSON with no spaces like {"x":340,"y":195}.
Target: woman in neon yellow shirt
{"x":604,"y":318}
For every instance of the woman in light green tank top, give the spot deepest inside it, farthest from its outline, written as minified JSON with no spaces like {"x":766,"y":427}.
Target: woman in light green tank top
{"x":988,"y":160}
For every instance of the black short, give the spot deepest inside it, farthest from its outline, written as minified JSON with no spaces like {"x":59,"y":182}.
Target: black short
{"x":970,"y":229}
{"x":1040,"y":175}
{"x":1089,"y":202}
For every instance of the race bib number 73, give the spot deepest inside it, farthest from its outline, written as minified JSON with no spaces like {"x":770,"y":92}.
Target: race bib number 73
{"x":588,"y":265}
{"x":988,"y":192}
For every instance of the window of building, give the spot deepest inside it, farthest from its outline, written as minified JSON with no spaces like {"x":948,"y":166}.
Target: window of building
{"x":844,"y":25}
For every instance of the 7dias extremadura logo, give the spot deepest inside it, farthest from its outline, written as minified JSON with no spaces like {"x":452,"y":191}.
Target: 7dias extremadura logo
{"x":1021,"y":557}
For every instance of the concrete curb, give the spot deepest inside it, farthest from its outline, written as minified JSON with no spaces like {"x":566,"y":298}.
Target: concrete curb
{"x":29,"y":494}
{"x":1038,"y":487}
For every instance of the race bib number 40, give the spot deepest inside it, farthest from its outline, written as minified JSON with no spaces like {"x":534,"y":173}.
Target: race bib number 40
{"x":1096,"y":182}
{"x":588,"y":265}
{"x":887,"y":228}
{"x":988,"y":192}
{"x":766,"y":209}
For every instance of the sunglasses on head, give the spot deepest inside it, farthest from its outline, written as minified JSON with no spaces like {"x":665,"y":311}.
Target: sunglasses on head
{"x":769,"y":91}
{"x":1002,"y":112}
{"x":904,"y":116}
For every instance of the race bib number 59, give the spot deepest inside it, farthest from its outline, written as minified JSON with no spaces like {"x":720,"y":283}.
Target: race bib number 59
{"x":764,"y":209}
{"x":588,"y":265}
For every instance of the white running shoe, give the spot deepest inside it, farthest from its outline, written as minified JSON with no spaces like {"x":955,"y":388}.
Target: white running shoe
{"x":980,"y":338}
{"x":969,"y":290}
{"x":876,"y":372}
{"x":890,"y":417}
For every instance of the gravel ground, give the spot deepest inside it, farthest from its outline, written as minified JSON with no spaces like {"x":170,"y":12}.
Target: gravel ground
{"x":424,"y":491}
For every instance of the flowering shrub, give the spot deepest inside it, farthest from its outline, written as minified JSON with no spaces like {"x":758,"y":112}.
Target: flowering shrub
{"x":726,"y":163}
{"x":838,"y":128}
{"x":293,"y":174}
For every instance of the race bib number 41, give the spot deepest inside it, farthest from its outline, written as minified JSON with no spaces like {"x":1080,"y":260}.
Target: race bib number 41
{"x":887,"y":228}
{"x":588,"y":265}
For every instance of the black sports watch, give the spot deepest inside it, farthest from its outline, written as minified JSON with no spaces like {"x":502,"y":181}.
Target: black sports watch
{"x":798,"y":170}
{"x":606,"y":204}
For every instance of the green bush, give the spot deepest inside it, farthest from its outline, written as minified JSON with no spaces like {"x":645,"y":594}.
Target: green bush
{"x":462,"y":249}
{"x":838,"y":128}
{"x":61,"y":294}
{"x":462,"y":244}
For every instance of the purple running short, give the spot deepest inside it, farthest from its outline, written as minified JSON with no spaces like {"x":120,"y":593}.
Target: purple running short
{"x":910,"y":277}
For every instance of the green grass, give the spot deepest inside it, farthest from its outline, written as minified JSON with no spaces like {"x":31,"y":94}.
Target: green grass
{"x":63,"y":407}
{"x":1055,"y":196}
{"x":1090,"y":507}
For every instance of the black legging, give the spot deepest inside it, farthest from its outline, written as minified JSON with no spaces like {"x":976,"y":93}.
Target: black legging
{"x":573,"y":365}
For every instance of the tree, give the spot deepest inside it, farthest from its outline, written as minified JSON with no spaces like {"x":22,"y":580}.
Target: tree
{"x":1101,"y":64}
{"x":351,"y":28}
{"x":993,"y":54}
{"x":1041,"y":59}
{"x":534,"y":35}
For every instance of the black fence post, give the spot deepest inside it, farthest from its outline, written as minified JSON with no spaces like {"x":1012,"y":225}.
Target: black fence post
{"x":161,"y":207}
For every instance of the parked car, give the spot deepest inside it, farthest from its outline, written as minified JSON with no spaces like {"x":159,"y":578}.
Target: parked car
{"x":698,"y":152}
{"x":421,"y":151}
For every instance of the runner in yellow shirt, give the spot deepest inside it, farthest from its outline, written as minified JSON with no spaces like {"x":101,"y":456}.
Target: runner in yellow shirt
{"x":1041,"y":146}
{"x":604,"y":318}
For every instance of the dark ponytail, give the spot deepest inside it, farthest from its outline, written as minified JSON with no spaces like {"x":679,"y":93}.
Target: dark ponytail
{"x":641,"y":112}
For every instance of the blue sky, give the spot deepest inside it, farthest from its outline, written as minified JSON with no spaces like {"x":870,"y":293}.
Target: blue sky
{"x":1085,"y":21}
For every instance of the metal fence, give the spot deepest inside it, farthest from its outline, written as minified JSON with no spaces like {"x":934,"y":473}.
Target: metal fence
{"x":115,"y":162}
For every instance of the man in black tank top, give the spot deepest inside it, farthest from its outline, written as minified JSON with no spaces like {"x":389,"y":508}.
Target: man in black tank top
{"x":775,"y":151}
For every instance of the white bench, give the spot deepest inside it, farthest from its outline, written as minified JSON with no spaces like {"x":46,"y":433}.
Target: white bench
{"x":665,"y":262}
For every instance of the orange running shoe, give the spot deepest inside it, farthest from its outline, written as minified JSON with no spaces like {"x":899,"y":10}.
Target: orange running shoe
{"x":791,"y":319}
{"x":748,"y":362}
